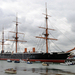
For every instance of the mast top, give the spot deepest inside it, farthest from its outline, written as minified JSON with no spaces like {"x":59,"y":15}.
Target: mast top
{"x":46,"y":8}
{"x":16,"y":19}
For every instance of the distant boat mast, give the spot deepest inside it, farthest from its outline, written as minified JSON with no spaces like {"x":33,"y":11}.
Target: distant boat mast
{"x":46,"y":35}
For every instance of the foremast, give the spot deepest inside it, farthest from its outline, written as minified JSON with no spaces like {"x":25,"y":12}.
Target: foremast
{"x":46,"y":35}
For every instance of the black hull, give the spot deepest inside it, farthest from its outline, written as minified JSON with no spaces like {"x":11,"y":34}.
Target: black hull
{"x":54,"y":57}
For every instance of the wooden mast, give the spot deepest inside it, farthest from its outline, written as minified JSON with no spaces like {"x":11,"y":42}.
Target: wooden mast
{"x":46,"y":32}
{"x":16,"y":37}
{"x":46,"y":35}
{"x":3,"y":40}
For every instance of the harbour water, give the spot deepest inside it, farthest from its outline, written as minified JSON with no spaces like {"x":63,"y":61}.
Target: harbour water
{"x":37,"y":69}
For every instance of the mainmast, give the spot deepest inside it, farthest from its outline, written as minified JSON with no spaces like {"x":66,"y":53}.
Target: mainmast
{"x":46,"y":32}
{"x":16,"y":38}
{"x":46,"y":35}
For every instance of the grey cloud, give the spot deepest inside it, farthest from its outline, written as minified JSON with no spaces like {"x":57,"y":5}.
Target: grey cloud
{"x":30,"y":16}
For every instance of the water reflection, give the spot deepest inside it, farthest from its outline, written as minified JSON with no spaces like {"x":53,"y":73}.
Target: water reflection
{"x":45,"y":71}
{"x":41,"y":70}
{"x":33,"y":70}
{"x":37,"y":69}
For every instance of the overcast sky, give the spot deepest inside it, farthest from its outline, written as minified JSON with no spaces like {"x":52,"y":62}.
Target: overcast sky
{"x":29,"y":13}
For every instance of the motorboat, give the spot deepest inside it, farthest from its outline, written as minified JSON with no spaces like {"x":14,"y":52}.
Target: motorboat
{"x":67,"y":63}
{"x":8,"y":60}
{"x":45,"y":64}
{"x":29,"y":62}
{"x":16,"y":61}
{"x":11,"y":71}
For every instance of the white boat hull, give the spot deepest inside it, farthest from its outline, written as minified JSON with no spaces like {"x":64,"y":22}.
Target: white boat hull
{"x":11,"y":72}
{"x":45,"y":64}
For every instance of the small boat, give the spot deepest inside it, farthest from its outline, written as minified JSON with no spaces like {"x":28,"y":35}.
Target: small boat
{"x":67,"y":63}
{"x":45,"y":64}
{"x":11,"y":71}
{"x":72,"y":64}
{"x":8,"y":60}
{"x":22,"y":61}
{"x":29,"y":62}
{"x":16,"y":61}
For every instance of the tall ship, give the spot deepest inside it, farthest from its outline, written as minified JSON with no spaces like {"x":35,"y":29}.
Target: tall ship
{"x":57,"y":57}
